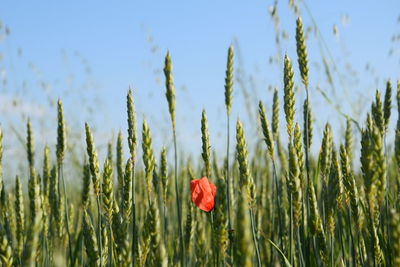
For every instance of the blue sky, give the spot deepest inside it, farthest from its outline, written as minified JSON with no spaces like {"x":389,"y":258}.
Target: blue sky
{"x":90,"y":52}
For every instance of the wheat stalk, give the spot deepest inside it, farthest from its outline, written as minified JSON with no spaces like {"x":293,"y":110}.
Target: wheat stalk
{"x":170,"y":95}
{"x":246,"y":180}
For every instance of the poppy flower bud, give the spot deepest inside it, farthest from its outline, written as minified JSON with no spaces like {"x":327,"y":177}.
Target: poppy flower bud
{"x":203,"y":193}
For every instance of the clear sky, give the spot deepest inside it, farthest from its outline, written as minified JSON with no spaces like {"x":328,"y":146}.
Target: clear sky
{"x":90,"y":52}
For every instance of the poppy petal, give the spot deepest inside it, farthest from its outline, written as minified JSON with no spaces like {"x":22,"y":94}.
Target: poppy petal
{"x":203,"y":193}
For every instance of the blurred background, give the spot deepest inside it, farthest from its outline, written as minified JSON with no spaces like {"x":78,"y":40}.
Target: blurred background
{"x":88,"y":53}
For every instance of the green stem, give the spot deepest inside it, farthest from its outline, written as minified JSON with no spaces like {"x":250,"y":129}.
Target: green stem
{"x":82,"y":251}
{"x":228,"y":188}
{"x":134,"y":236}
{"x":61,"y":172}
{"x":178,"y":204}
{"x":110,"y":248}
{"x":332,"y":250}
{"x":165,"y":221}
{"x":291,"y":230}
{"x":278,"y":202}
{"x":372,"y":231}
{"x":213,"y":246}
{"x":353,"y":247}
{"x":340,"y":234}
{"x":99,"y":229}
{"x":359,"y":240}
{"x":302,"y":263}
{"x":387,"y":207}
{"x":307,"y":136}
{"x":307,"y":152}
{"x":315,"y":249}
{"x":255,"y":237}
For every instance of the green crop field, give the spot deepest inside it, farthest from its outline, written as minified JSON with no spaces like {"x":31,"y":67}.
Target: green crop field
{"x":275,"y":202}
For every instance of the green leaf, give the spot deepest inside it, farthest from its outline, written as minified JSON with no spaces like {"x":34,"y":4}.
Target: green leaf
{"x":287,"y":263}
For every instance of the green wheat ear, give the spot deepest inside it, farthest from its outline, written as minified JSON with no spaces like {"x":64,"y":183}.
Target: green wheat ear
{"x":335,"y":192}
{"x":93,"y":160}
{"x":242,"y":154}
{"x":34,"y":195}
{"x":55,"y":206}
{"x":348,"y":142}
{"x":30,"y":145}
{"x":299,"y":149}
{"x":206,"y":146}
{"x":169,"y":83}
{"x":108,"y":193}
{"x":132,"y":133}
{"x":373,"y":166}
{"x":120,"y":163}
{"x":302,"y":51}
{"x":395,"y":235}
{"x":366,"y":163}
{"x":246,"y":180}
{"x":148,"y":156}
{"x":378,"y":154}
{"x":326,"y":148}
{"x":6,"y":253}
{"x":275,"y":115}
{"x":164,"y":173}
{"x":127,"y":192}
{"x":86,"y":186}
{"x":106,"y":242}
{"x":61,"y":138}
{"x":153,"y":246}
{"x":110,"y":155}
{"x":35,"y":202}
{"x":378,"y":113}
{"x":20,"y":215}
{"x":90,"y":240}
{"x":387,"y":105}
{"x":289,"y":97}
{"x":266,"y":129}
{"x":46,"y":171}
{"x":309,"y":127}
{"x":350,"y":186}
{"x":229,"y":81}
{"x":189,"y":227}
{"x":294,"y":184}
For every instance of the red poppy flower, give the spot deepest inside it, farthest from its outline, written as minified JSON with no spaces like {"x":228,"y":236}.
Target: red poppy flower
{"x":203,"y":193}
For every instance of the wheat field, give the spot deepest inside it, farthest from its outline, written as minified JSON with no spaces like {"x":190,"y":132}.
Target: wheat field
{"x":277,"y":203}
